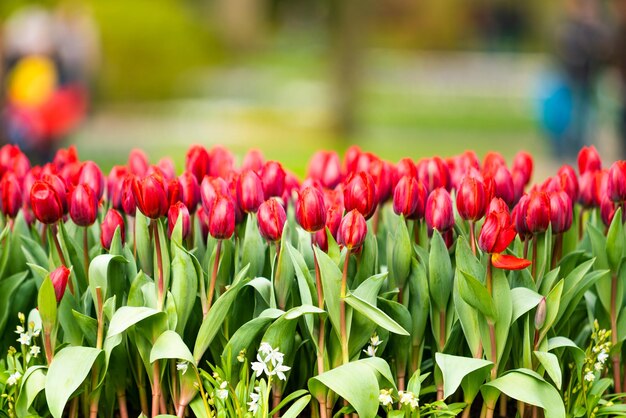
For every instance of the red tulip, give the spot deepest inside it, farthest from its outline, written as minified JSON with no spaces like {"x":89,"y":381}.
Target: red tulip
{"x":65,"y":156}
{"x":59,"y":187}
{"x":13,"y":159}
{"x":406,"y":167}
{"x":222,"y":218}
{"x":128,"y":198}
{"x":150,"y":196}
{"x":333,"y":218}
{"x":33,"y":175}
{"x":59,"y":278}
{"x":167,"y":168}
{"x":497,"y":232}
{"x":174,"y":191}
{"x":83,"y":205}
{"x":203,"y":219}
{"x":115,"y":183}
{"x":364,"y":162}
{"x":519,"y":217}
{"x":382,"y":174}
{"x":111,"y":222}
{"x":273,"y":179}
{"x":233,"y":183}
{"x":70,"y":173}
{"x":588,"y":189}
{"x":433,"y":173}
{"x":607,"y":211}
{"x":350,"y":159}
{"x":360,"y":194}
{"x":253,"y":160}
{"x":11,"y":195}
{"x":569,"y":181}
{"x":405,"y":196}
{"x":589,"y":160}
{"x":518,"y":185}
{"x":272,"y":219}
{"x":138,"y":162}
{"x":46,"y":203}
{"x":616,"y":182}
{"x":439,"y":214}
{"x":292,"y":184}
{"x":560,"y":212}
{"x":210,"y":189}
{"x":250,"y":191}
{"x":538,"y":212}
{"x":325,"y":167}
{"x":197,"y":161}
{"x":352,"y":230}
{"x":221,"y":162}
{"x":523,"y":164}
{"x":175,"y":211}
{"x":190,"y":190}
{"x":492,"y":161}
{"x":321,"y":239}
{"x":310,"y":209}
{"x":91,"y":175}
{"x":503,"y":185}
{"x":471,"y":199}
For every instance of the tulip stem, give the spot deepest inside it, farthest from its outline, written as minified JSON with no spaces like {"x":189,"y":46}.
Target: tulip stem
{"x":156,"y":389}
{"x":161,"y":279}
{"x":86,"y":251}
{"x":93,"y":410}
{"x":557,"y":251}
{"x":472,"y":237}
{"x":57,"y":244}
{"x":581,"y":215}
{"x":121,"y":401}
{"x":534,"y":267}
{"x":216,"y":263}
{"x":342,"y":310}
{"x":322,"y":332}
{"x":617,"y":384}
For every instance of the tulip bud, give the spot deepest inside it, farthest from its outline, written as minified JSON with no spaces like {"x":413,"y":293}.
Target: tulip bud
{"x":197,"y":162}
{"x":83,"y":205}
{"x":70,"y":173}
{"x":523,"y":164}
{"x":272,"y":219}
{"x":540,"y":315}
{"x":471,"y":199}
{"x":325,"y":167}
{"x":589,"y":160}
{"x":616,"y":181}
{"x":210,"y":189}
{"x":11,"y":195}
{"x":406,"y":167}
{"x":273,"y":179}
{"x":33,"y":175}
{"x":352,"y":230}
{"x":519,"y":217}
{"x":503,"y":183}
{"x":175,"y":211}
{"x":150,"y":196}
{"x":91,"y":175}
{"x":333,"y":218}
{"x":364,"y":161}
{"x":351,"y":158}
{"x":538,"y":212}
{"x":128,"y":198}
{"x":381,"y":173}
{"x":232,"y":194}
{"x":310,"y":209}
{"x":607,"y":211}
{"x":292,"y":184}
{"x":568,"y":181}
{"x":138,"y":162}
{"x":111,"y":222}
{"x":406,"y":197}
{"x":492,"y":161}
{"x":59,"y":278}
{"x":588,"y":189}
{"x":433,"y":173}
{"x":321,"y":239}
{"x":560,"y":212}
{"x":518,"y":185}
{"x":250,"y":191}
{"x":497,"y":232}
{"x":253,"y":160}
{"x":360,"y":194}
{"x":115,"y":181}
{"x":221,"y":162}
{"x":174,"y":192}
{"x":439,"y":214}
{"x":60,"y":188}
{"x":45,"y":202}
{"x":222,"y":218}
{"x":65,"y":156}
{"x":190,"y":191}
{"x":166,"y":164}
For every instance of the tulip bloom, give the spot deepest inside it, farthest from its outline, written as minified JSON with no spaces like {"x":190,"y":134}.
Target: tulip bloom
{"x":382,"y":174}
{"x":197,"y":162}
{"x":352,"y":230}
{"x":439,"y":214}
{"x":59,"y":278}
{"x":91,"y":175}
{"x":589,"y":160}
{"x":210,"y":189}
{"x":112,"y":221}
{"x":150,"y":196}
{"x":175,"y":211}
{"x":272,"y":218}
{"x":433,"y":173}
{"x":115,"y":182}
{"x":60,"y":187}
{"x":325,"y":167}
{"x":607,"y":211}
{"x":503,"y":185}
{"x":519,"y":218}
{"x":351,"y":158}
{"x":174,"y":192}
{"x":616,"y":182}
{"x":128,"y":198}
{"x":560,"y":212}
{"x":273,"y":179}
{"x":538,"y":212}
{"x":190,"y":191}
{"x":138,"y":162}
{"x":45,"y":201}
{"x":491,"y":162}
{"x":222,"y":218}
{"x":360,"y":194}
{"x":471,"y":199}
{"x":203,"y":219}
{"x":250,"y":191}
{"x":405,"y":196}
{"x":83,"y":205}
{"x":588,"y":190}
{"x":253,"y":160}
{"x":11,"y":195}
{"x":523,"y":164}
{"x":221,"y":162}
{"x":406,"y":167}
{"x":310,"y":209}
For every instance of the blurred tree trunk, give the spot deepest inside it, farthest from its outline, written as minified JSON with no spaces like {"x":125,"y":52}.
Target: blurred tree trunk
{"x":348,"y":33}
{"x":240,"y":22}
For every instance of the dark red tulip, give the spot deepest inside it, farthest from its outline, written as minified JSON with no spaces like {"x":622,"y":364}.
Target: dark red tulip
{"x":321,"y":239}
{"x":471,"y":199}
{"x":518,"y":185}
{"x":497,"y":232}
{"x":325,"y":167}
{"x":333,"y":218}
{"x":221,"y":162}
{"x":46,"y":203}
{"x":382,"y":174}
{"x":503,"y":185}
{"x":439,"y":214}
{"x":138,"y":162}
{"x":233,"y":183}
{"x":70,"y":173}
{"x":519,"y":217}
{"x":33,"y":175}
{"x":83,"y":205}
{"x":364,"y":161}
{"x":405,"y":196}
{"x":59,"y":278}
{"x":65,"y":156}
{"x":588,"y":192}
{"x":352,"y":230}
{"x":174,"y":191}
{"x":111,"y":222}
{"x":167,"y":168}
{"x":91,"y":175}
{"x":151,"y":196}
{"x":292,"y":184}
{"x":11,"y":195}
{"x":569,"y":181}
{"x":222,"y":218}
{"x":333,"y":196}
{"x":589,"y":160}
{"x":190,"y":190}
{"x":115,"y":183}
{"x":60,"y":188}
{"x":129,"y":206}
{"x":538,"y":212}
{"x":523,"y":164}
{"x":253,"y":160}
{"x":272,"y":218}
{"x":492,"y":161}
{"x":560,"y":211}
{"x":607,"y":211}
{"x":351,"y":158}
{"x":616,"y":182}
{"x":197,"y":161}
{"x":360,"y":194}
{"x":175,"y":211}
{"x":433,"y":173}
{"x":406,"y":167}
{"x":273,"y":179}
{"x":210,"y":189}
{"x":250,"y":191}
{"x":13,"y":159}
{"x":310,"y":209}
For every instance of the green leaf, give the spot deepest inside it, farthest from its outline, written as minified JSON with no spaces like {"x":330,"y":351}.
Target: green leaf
{"x":331,"y":283}
{"x":67,"y":372}
{"x":170,"y":346}
{"x":143,"y":242}
{"x":253,"y":247}
{"x":33,"y":383}
{"x":531,"y":389}
{"x":87,"y":325}
{"x":184,"y":285}
{"x":440,"y":275}
{"x":615,"y":241}
{"x":127,"y":316}
{"x":550,"y":362}
{"x":283,"y":275}
{"x":99,"y":273}
{"x":455,"y":368}
{"x":553,"y":301}
{"x":47,"y":304}
{"x":375,"y":315}
{"x":400,"y":264}
{"x":523,"y":301}
{"x":297,"y":407}
{"x":8,"y":286}
{"x":476,"y":295}
{"x":305,"y":283}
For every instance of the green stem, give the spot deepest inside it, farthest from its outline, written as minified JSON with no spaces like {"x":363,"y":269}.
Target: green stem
{"x":321,"y":333}
{"x":161,"y":278}
{"x":472,"y":236}
{"x":342,"y":310}
{"x":216,"y":264}
{"x":93,"y":410}
{"x":616,"y":355}
{"x":534,"y":265}
{"x":86,"y":251}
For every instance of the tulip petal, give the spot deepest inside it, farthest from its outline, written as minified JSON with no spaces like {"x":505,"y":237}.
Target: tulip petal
{"x":509,"y":262}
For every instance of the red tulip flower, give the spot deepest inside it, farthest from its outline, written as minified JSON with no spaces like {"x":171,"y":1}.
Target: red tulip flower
{"x":560,"y":212}
{"x":439,"y":214}
{"x":129,"y":206}
{"x":115,"y":183}
{"x":91,"y":175}
{"x":503,"y":185}
{"x":221,"y":162}
{"x":45,"y":201}
{"x":607,"y":211}
{"x":222,"y":218}
{"x":352,"y":230}
{"x":175,"y":211}
{"x":151,"y":196}
{"x":190,"y":191}
{"x":83,"y":205}
{"x":433,"y":173}
{"x":111,"y":222}
{"x":253,"y":160}
{"x":310,"y":209}
{"x":589,"y":160}
{"x":273,"y":179}
{"x":405,"y":196}
{"x":138,"y":162}
{"x":538,"y":212}
{"x":616,"y":182}
{"x":519,"y":217}
{"x":523,"y":164}
{"x":11,"y":195}
{"x":59,"y":278}
{"x":471,"y":199}
{"x":203,"y":219}
{"x":60,"y":187}
{"x":272,"y":218}
{"x":351,"y":158}
{"x":174,"y":192}
{"x":588,"y":189}
{"x":325,"y":167}
{"x":250,"y":191}
{"x":360,"y":194}
{"x":406,"y":167}
{"x":197,"y":161}
{"x":382,"y":174}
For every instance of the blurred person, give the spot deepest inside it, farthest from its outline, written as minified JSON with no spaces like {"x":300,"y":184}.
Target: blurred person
{"x":46,"y":68}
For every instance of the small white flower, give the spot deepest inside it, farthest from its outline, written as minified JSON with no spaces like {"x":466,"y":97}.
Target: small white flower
{"x":265,"y":348}
{"x":35,"y":350}
{"x":408,"y":398}
{"x":259,"y":366}
{"x":280,"y":370}
{"x":24,"y":339}
{"x":370,"y":351}
{"x":385,"y":397}
{"x":14,"y":378}
{"x":589,"y":376}
{"x":598,"y":366}
{"x":254,"y":402}
{"x":21,"y":316}
{"x":275,"y":357}
{"x":415,"y":403}
{"x":19,"y":329}
{"x":222,"y":392}
{"x":182,"y":366}
{"x":603,"y":356}
{"x":375,"y":341}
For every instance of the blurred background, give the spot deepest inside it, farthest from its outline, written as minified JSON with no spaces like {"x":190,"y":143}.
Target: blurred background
{"x":397,"y":77}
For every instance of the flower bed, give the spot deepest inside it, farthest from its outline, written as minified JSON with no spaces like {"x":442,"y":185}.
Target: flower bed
{"x":442,"y":287}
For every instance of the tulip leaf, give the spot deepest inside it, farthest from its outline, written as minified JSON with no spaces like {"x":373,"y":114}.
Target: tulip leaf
{"x":306,"y":287}
{"x":184,"y":285}
{"x":253,"y":247}
{"x":440,"y":275}
{"x":74,"y":251}
{"x":8,"y":286}
{"x":67,"y":372}
{"x":87,"y":325}
{"x":553,"y":301}
{"x":550,"y":363}
{"x":143,"y":242}
{"x":47,"y":304}
{"x":283,"y":275}
{"x":523,"y":301}
{"x":375,"y":314}
{"x":615,"y":241}
{"x":127,"y":316}
{"x":400,"y":263}
{"x":331,"y":283}
{"x":456,"y":368}
{"x":99,"y":273}
{"x":476,"y":295}
{"x":468,"y":318}
{"x":297,"y":407}
{"x":33,"y":382}
{"x":170,"y":346}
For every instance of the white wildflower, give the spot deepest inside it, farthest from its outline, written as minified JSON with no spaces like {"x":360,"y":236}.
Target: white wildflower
{"x":259,"y":366}
{"x":24,"y":339}
{"x":14,"y":378}
{"x":19,"y":329}
{"x":254,"y":401}
{"x":182,"y":366}
{"x":589,"y":376}
{"x":603,"y":356}
{"x":370,"y":351}
{"x":385,"y":397}
{"x":408,"y":398}
{"x":35,"y":350}
{"x":598,"y":366}
{"x":375,"y":341}
{"x":280,"y":370}
{"x":222,"y":392}
{"x":265,"y":348}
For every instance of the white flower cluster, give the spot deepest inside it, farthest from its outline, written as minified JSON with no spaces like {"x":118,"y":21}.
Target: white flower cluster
{"x":405,"y":398}
{"x":599,"y":353}
{"x":26,"y":335}
{"x":270,"y":362}
{"x":254,"y":400}
{"x":373,"y":346}
{"x":14,"y":378}
{"x":385,"y":397}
